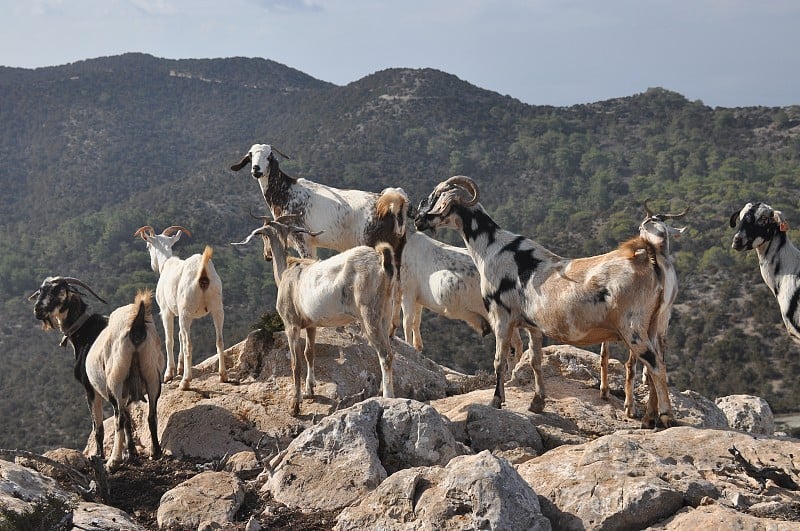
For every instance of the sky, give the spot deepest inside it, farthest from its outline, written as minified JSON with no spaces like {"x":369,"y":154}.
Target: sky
{"x":726,"y":53}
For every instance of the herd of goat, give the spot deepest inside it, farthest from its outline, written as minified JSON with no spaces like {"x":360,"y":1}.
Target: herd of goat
{"x":499,"y":282}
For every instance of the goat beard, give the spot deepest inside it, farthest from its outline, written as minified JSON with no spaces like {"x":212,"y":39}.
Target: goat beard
{"x":49,"y":324}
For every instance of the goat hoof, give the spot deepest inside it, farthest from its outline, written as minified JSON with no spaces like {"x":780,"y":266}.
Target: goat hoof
{"x":665,"y":420}
{"x":223,"y":378}
{"x":537,"y":405}
{"x":496,"y":402}
{"x":295,"y":409}
{"x":184,"y":385}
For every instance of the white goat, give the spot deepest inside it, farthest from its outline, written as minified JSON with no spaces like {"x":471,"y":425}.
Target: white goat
{"x":584,"y":301}
{"x":358,"y":284}
{"x":123,"y":365}
{"x":334,"y":218}
{"x":763,"y":228}
{"x":444,"y":279}
{"x":188,"y":289}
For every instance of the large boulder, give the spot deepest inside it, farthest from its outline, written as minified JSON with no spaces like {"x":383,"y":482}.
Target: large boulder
{"x":347,"y":455}
{"x":471,"y":492}
{"x":747,"y":413}
{"x":207,"y":498}
{"x":635,"y":478}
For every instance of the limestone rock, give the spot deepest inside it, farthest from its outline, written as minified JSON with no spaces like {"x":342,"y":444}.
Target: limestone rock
{"x":209,"y":497}
{"x":347,"y":455}
{"x":748,"y":413}
{"x":470,"y":492}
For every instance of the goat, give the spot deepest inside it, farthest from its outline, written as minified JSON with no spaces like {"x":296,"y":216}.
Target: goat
{"x":584,"y":301}
{"x":123,"y":364}
{"x":59,"y":305}
{"x":654,"y":230}
{"x":188,"y":289}
{"x":763,"y":228}
{"x":334,"y":218}
{"x":355,"y":285}
{"x":442,"y":278}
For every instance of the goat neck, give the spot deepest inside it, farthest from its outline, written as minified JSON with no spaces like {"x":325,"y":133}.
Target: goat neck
{"x":279,"y":257}
{"x":778,"y":259}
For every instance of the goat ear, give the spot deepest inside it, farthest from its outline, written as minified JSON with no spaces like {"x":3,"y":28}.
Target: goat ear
{"x":734,"y":219}
{"x":242,"y":163}
{"x":783,"y":225}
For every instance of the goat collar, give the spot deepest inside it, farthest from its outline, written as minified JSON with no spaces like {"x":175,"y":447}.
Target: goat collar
{"x":74,"y":327}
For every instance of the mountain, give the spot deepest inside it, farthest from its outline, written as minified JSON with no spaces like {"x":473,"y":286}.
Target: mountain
{"x":92,"y":150}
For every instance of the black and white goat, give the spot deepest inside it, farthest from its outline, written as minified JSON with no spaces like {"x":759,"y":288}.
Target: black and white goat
{"x":123,"y":365}
{"x":59,"y":305}
{"x":188,"y":289}
{"x":763,"y":228}
{"x":334,"y":218}
{"x":582,"y":301}
{"x":358,"y":284}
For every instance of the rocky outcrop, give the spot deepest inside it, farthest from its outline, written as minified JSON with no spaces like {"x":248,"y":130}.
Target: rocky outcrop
{"x":432,"y":461}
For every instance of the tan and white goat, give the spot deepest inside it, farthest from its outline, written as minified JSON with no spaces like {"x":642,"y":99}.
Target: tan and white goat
{"x":123,"y":365}
{"x":584,"y":301}
{"x":358,"y":284}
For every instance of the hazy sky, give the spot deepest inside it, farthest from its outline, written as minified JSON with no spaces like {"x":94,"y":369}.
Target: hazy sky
{"x":555,"y":52}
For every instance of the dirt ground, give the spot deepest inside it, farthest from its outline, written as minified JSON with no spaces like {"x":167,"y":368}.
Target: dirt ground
{"x":138,"y":486}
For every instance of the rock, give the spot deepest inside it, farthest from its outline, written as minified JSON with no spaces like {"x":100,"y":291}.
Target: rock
{"x":209,"y":498}
{"x":719,"y":517}
{"x":99,"y":517}
{"x":470,"y":492}
{"x":340,"y":460}
{"x":636,"y":478}
{"x":21,"y":487}
{"x":748,"y":413}
{"x":693,"y":409}
{"x":243,"y":464}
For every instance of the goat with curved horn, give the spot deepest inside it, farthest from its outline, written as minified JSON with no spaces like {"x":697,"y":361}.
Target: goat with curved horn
{"x":141,"y":231}
{"x":650,"y":212}
{"x":172,"y":229}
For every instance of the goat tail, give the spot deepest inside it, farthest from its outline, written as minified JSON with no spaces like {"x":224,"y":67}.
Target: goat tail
{"x":202,"y":276}
{"x":137,"y":331}
{"x":386,"y":255}
{"x":394,"y":201}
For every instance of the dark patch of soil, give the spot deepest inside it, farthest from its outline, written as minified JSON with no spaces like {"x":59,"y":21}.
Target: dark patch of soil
{"x":137,"y":488}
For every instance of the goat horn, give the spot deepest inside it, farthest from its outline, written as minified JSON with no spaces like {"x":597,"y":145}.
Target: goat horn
{"x":647,"y":209}
{"x":469,"y":184}
{"x":175,"y":228}
{"x":276,"y":150}
{"x":141,"y":230}
{"x":254,"y":233}
{"x":265,"y":219}
{"x":73,"y":280}
{"x":676,"y":216}
{"x":34,"y":294}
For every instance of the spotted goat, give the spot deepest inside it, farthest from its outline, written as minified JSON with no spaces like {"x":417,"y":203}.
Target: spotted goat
{"x":763,"y":228}
{"x":334,"y":218}
{"x":583,"y":301}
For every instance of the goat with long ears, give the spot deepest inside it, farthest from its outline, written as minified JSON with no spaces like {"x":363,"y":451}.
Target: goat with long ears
{"x":584,"y":301}
{"x":187,"y":289}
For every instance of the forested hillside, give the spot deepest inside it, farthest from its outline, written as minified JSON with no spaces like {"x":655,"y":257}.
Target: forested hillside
{"x":92,"y":150}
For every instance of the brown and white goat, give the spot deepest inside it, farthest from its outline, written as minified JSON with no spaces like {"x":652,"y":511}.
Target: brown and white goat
{"x":358,"y":284}
{"x":654,"y":230}
{"x":188,"y":289}
{"x":584,"y":301}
